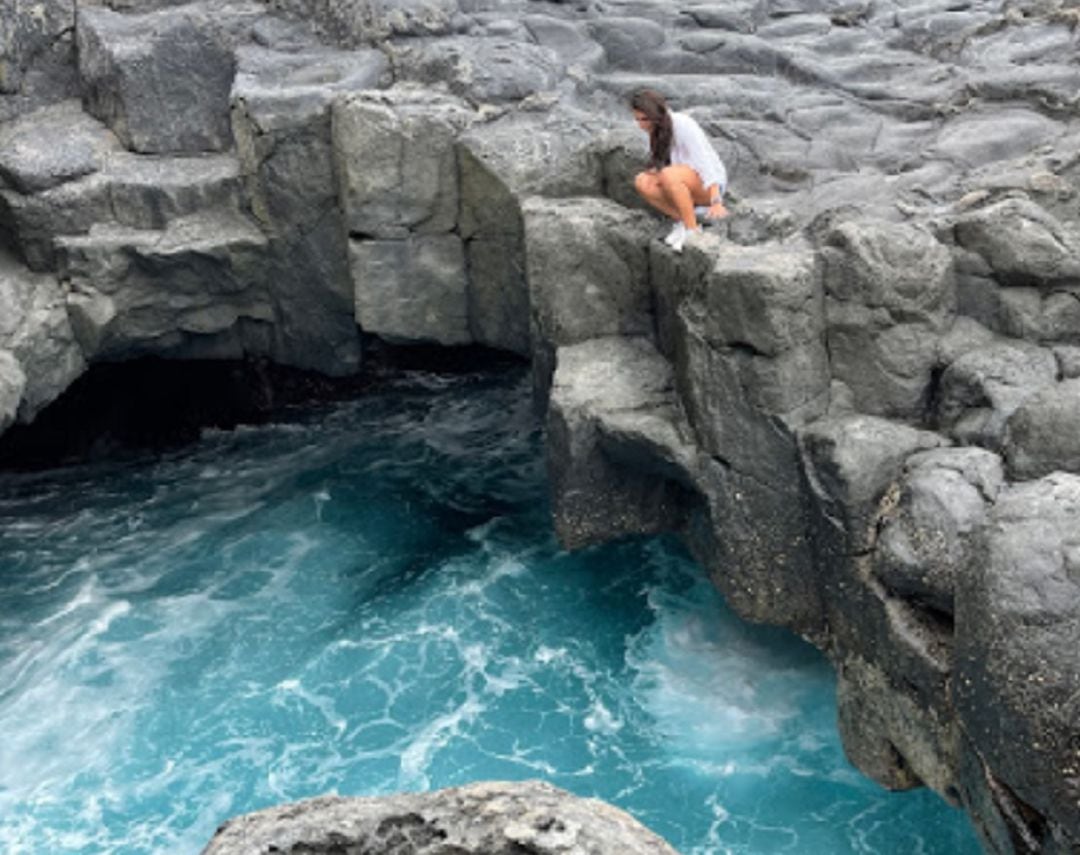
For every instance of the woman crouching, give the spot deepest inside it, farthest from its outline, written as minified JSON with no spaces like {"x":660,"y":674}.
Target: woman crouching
{"x":684,"y":169}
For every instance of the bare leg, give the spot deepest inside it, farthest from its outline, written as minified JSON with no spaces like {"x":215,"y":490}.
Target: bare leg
{"x":648,"y":187}
{"x":674,"y":181}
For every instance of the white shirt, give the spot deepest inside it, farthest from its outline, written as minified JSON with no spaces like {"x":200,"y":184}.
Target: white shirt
{"x":690,"y":145}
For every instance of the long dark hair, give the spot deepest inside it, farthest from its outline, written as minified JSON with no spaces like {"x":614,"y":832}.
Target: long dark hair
{"x":655,"y":108}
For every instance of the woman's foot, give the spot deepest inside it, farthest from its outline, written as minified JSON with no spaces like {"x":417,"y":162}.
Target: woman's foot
{"x":677,"y":244}
{"x":677,"y":233}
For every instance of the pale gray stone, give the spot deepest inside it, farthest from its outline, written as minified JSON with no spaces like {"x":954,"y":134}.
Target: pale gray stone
{"x":160,"y":80}
{"x":50,"y":146}
{"x":396,"y":161}
{"x":1021,"y":242}
{"x":482,"y":69}
{"x":28,"y":29}
{"x":35,"y":330}
{"x":479,"y":819}
{"x":12,"y":385}
{"x":984,"y":386}
{"x":1043,"y":434}
{"x":412,"y":290}
{"x":613,"y":403}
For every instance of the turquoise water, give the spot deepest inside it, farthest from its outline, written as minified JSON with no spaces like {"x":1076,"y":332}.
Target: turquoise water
{"x":369,"y":598}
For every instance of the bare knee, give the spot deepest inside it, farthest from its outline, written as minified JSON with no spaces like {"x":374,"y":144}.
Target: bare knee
{"x":645,"y":183}
{"x":669,"y":177}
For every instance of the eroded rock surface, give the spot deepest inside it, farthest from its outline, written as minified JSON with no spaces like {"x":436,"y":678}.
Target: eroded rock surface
{"x":481,"y":819}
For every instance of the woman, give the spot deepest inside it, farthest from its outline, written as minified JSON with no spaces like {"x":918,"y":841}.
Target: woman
{"x":684,"y":169}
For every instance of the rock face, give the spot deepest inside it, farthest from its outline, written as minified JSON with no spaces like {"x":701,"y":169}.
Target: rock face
{"x":855,"y":399}
{"x":482,"y":819}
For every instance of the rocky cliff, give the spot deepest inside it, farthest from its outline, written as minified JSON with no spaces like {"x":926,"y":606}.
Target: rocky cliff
{"x":858,"y":400}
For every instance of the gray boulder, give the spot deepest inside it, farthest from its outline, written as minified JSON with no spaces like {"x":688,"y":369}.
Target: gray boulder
{"x":396,"y":161}
{"x":1022,"y":243}
{"x":890,"y":295}
{"x":480,"y":819}
{"x":851,"y":462}
{"x":12,"y":386}
{"x":1017,"y":632}
{"x":618,"y":461}
{"x":483,"y":70}
{"x":136,"y":291}
{"x":53,"y":145}
{"x":282,"y":108}
{"x":984,"y":386}
{"x":926,"y":535}
{"x":36,"y":333}
{"x":1043,"y":434}
{"x":587,"y":269}
{"x":412,"y":290}
{"x":160,"y":80}
{"x":353,"y":23}
{"x":28,"y":30}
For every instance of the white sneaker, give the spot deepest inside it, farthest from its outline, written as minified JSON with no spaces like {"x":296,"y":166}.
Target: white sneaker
{"x":678,"y":243}
{"x":677,"y":233}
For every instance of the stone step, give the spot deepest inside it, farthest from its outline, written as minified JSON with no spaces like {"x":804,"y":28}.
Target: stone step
{"x":136,"y":191}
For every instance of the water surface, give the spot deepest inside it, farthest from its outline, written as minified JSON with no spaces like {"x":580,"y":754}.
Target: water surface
{"x":369,"y":598}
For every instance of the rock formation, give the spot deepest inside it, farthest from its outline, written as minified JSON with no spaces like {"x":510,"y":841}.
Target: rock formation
{"x":480,"y":819}
{"x":856,"y":399}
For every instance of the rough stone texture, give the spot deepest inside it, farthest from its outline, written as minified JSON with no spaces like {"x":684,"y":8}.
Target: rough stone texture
{"x":351,"y":23}
{"x":412,"y":290}
{"x":282,"y":105}
{"x":136,"y":291}
{"x":1043,"y":434}
{"x":1017,"y":631}
{"x":925,"y":537}
{"x":481,"y":819}
{"x":12,"y":385}
{"x":612,"y":404}
{"x":35,"y":332}
{"x":1022,"y":243}
{"x":396,"y":161}
{"x":481,"y":70}
{"x":902,"y":240}
{"x":890,"y":296}
{"x":52,"y":145}
{"x":28,"y":29}
{"x":161,"y":80}
{"x":983,"y":387}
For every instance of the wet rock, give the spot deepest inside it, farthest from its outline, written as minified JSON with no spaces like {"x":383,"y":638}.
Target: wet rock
{"x":480,"y":819}
{"x":984,"y":386}
{"x":1043,"y":434}
{"x":1017,"y":629}
{"x":161,"y":80}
